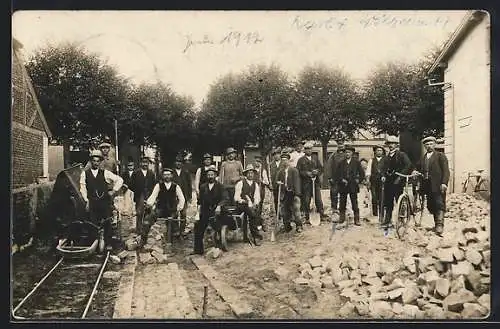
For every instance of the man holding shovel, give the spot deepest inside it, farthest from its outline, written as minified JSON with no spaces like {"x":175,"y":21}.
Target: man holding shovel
{"x":288,"y":181}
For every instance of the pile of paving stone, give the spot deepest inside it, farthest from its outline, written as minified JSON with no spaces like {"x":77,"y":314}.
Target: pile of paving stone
{"x":465,"y":207}
{"x":441,"y":277}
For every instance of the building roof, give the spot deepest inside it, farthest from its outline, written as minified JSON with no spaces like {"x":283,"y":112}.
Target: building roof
{"x":470,"y":20}
{"x":16,"y":45}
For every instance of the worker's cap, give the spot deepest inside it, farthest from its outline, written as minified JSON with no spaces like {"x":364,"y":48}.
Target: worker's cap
{"x":350,"y":148}
{"x":285,"y":155}
{"x":211,"y":168}
{"x":392,"y":139}
{"x":96,"y":154}
{"x":207,"y":156}
{"x":170,"y":170}
{"x":105,"y":144}
{"x":308,"y":145}
{"x":230,"y":150}
{"x":429,"y":139}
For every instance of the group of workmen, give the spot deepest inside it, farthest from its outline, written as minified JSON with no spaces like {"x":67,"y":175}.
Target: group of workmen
{"x":293,"y":176}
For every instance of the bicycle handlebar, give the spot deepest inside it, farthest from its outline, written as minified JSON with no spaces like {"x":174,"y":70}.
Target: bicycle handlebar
{"x":408,"y":176}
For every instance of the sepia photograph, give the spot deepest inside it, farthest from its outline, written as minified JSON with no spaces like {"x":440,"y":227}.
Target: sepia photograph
{"x":250,"y":165}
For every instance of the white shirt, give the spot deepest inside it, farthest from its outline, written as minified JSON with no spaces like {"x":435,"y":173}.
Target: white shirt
{"x":154,"y":195}
{"x":109,"y":177}
{"x":144,"y":172}
{"x":178,"y":171}
{"x":369,"y":165}
{"x":239,"y":186}
{"x":348,"y":161}
{"x":264,"y":178}
{"x":197,"y":178}
{"x":428,"y":155}
{"x":210,"y":186}
{"x":130,"y":172}
{"x":294,"y":157}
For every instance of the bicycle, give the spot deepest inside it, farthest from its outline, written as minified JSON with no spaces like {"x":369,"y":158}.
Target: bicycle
{"x":479,"y":185}
{"x":406,"y":207}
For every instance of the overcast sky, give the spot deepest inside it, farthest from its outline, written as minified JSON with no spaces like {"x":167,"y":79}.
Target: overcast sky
{"x":190,"y":49}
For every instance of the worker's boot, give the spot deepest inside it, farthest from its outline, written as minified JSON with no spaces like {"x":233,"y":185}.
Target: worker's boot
{"x":439,"y":222}
{"x":375,"y":209}
{"x":387,"y":220}
{"x":356,"y":218}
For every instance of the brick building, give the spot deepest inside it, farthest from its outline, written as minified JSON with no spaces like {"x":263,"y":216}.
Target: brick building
{"x":464,"y":63}
{"x":30,"y":132}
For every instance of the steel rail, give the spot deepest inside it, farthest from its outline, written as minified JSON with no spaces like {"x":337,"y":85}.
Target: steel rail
{"x":37,"y":285}
{"x":95,"y":286}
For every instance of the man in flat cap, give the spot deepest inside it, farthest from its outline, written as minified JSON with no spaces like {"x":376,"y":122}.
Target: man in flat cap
{"x":210,"y":202}
{"x":94,"y":183}
{"x":274,"y":168}
{"x":142,"y":183}
{"x":182,"y":177}
{"x":201,"y":173}
{"x":288,"y":178}
{"x":397,"y":161}
{"x":247,"y":198}
{"x":349,"y":174}
{"x":231,"y":171}
{"x":310,"y":168}
{"x":433,"y":166}
{"x":374,"y":171}
{"x":331,"y":173}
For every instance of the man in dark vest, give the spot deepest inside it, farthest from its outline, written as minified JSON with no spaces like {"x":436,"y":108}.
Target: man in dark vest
{"x":397,"y":161}
{"x":201,"y":173}
{"x":142,"y":183}
{"x":349,"y":174}
{"x":168,"y":197}
{"x":288,"y":178}
{"x":182,"y":177}
{"x":94,"y":188}
{"x":209,"y":205}
{"x":262,"y":178}
{"x":374,"y":172}
{"x":274,"y":168}
{"x":310,"y":168}
{"x":127,"y":174}
{"x":247,"y":198}
{"x":434,"y":167}
{"x":330,"y":173}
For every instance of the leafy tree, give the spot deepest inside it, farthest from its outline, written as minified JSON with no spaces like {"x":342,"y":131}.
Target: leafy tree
{"x":329,"y":104}
{"x":80,"y":94}
{"x":398,"y":99}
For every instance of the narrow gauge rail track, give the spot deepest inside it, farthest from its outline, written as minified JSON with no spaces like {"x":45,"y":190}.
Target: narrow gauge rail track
{"x":65,"y":292}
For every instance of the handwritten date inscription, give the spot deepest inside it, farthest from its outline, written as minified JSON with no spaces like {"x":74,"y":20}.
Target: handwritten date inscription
{"x":233,"y":38}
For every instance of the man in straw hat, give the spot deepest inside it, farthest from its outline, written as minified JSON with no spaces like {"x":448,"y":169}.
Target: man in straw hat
{"x":350,"y":175}
{"x":289,"y":179}
{"x":201,"y":173}
{"x":108,"y":162}
{"x":94,"y":183}
{"x":397,"y":161}
{"x":310,"y":168}
{"x":247,"y":198}
{"x":210,"y":202}
{"x":433,"y":166}
{"x":231,"y":171}
{"x":374,"y":171}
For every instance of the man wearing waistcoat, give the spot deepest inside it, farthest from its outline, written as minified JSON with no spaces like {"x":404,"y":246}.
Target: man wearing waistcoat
{"x":434,"y":167}
{"x":142,"y":183}
{"x":310,"y":168}
{"x":209,"y":205}
{"x":397,"y":161}
{"x":247,"y":198}
{"x":261,"y":178}
{"x":275,"y":167}
{"x":330,"y":173}
{"x":289,"y":179}
{"x":98,"y":197}
{"x":374,"y":172}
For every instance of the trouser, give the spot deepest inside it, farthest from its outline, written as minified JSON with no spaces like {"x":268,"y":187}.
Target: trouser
{"x":139,"y":213}
{"x":253,"y":219}
{"x":307,"y":191}
{"x":100,"y":214}
{"x":354,"y":203}
{"x":183,"y":215}
{"x":376,"y":191}
{"x":290,"y":208}
{"x":275,"y":199}
{"x":436,"y":201}
{"x":199,"y":231}
{"x":261,"y":204}
{"x":334,"y":196}
{"x":391,"y":194}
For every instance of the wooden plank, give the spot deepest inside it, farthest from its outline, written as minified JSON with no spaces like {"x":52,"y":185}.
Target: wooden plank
{"x":239,"y":307}
{"x":123,"y":304}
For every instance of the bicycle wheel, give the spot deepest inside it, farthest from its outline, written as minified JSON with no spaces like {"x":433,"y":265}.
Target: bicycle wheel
{"x":403,"y":215}
{"x":419,"y":209}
